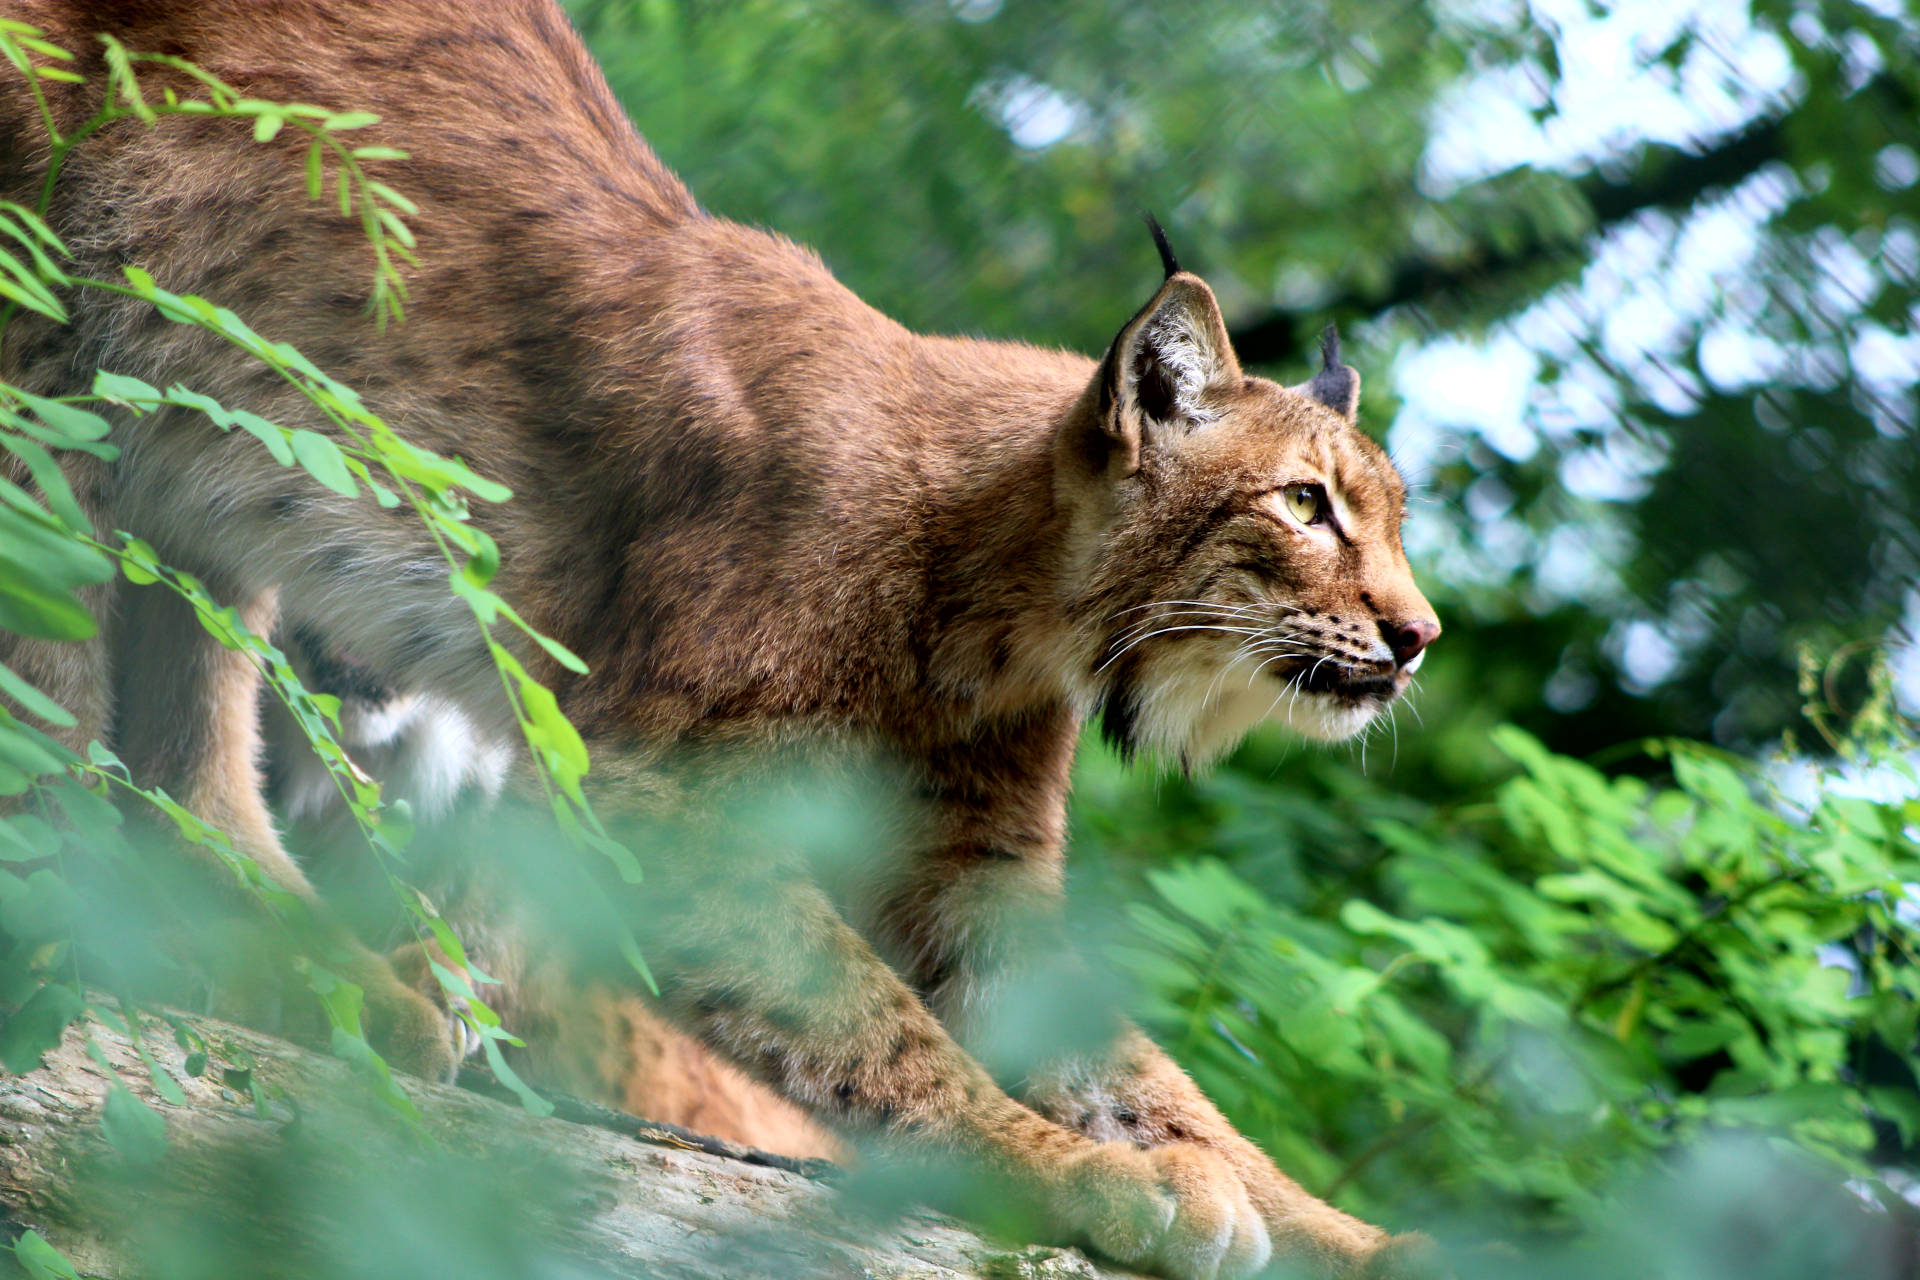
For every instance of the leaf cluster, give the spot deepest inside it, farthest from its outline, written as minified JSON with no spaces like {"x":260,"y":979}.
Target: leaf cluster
{"x":1516,"y":1003}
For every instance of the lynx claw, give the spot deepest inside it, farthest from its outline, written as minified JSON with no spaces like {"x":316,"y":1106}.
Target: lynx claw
{"x":1176,"y":1209}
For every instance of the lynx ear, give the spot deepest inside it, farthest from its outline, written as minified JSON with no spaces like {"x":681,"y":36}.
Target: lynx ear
{"x":1337,"y":385}
{"x":1157,"y":372}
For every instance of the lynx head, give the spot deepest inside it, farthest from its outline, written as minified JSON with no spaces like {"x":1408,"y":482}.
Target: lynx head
{"x":1240,"y":542}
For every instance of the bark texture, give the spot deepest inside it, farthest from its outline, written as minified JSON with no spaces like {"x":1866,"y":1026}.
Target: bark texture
{"x":319,"y":1179}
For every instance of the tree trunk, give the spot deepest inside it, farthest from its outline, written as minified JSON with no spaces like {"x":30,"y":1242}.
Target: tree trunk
{"x":282,"y":1162}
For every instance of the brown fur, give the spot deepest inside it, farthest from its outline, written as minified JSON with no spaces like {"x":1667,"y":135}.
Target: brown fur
{"x":768,"y":517}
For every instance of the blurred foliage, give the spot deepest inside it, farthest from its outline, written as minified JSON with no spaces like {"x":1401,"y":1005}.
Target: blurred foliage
{"x":1509,"y":1003}
{"x":1657,"y":382}
{"x":1708,"y":290}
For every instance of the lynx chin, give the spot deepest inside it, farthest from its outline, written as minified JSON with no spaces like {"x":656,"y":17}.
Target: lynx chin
{"x":774,"y":523}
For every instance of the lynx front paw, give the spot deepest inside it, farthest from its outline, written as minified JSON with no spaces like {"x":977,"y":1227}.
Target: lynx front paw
{"x":412,"y":1021}
{"x":1409,"y":1257}
{"x":1175,"y":1209}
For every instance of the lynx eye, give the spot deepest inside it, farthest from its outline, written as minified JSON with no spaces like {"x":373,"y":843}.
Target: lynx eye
{"x":1306,"y":503}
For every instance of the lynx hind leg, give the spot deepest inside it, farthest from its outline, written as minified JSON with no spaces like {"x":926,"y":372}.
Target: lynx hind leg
{"x":594,"y":1041}
{"x":75,"y":674}
{"x":189,"y":722}
{"x":427,"y":752}
{"x":585,"y":1036}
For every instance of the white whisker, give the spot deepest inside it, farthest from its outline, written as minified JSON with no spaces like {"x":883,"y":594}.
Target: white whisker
{"x":1145,"y":623}
{"x":1240,"y":653}
{"x":1205,"y":604}
{"x":1247,"y":631}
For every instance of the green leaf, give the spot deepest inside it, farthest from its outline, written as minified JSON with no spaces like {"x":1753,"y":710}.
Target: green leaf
{"x":323,"y":461}
{"x":559,"y":652}
{"x":314,"y":176}
{"x":41,"y":1260}
{"x":163,"y":1084}
{"x":396,"y":228}
{"x":29,"y":608}
{"x":630,"y":952}
{"x":18,"y":286}
{"x":348,"y":120}
{"x":34,"y":235}
{"x":137,"y":571}
{"x":444,"y":935}
{"x":53,"y":484}
{"x":36,"y":1026}
{"x":1808,"y":1099}
{"x":486,"y":606}
{"x":533,"y":1102}
{"x":548,"y":728}
{"x":44,"y":49}
{"x":27,"y":754}
{"x":384,"y":192}
{"x":268,"y":433}
{"x":69,"y":420}
{"x":266,"y":126}
{"x":1206,"y":891}
{"x":42,"y":909}
{"x":451,"y":981}
{"x":133,"y":1128}
{"x":122,"y":390}
{"x":33,"y":836}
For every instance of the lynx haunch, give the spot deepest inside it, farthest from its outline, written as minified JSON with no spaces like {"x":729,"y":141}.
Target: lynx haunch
{"x":769,"y":518}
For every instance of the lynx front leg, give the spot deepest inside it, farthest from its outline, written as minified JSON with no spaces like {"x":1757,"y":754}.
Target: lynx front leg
{"x":771,"y":977}
{"x":1135,"y":1090}
{"x":974,"y":917}
{"x":189,"y":723}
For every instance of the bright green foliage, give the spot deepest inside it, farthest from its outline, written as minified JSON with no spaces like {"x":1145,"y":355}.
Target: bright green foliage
{"x":1522,"y":998}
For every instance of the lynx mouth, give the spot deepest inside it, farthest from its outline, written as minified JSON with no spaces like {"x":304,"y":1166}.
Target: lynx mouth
{"x":1342,"y":681}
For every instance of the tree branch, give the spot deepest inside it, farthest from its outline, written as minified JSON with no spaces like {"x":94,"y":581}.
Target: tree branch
{"x":1664,"y":177}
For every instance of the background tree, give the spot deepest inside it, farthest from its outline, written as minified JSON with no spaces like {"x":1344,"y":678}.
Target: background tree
{"x":1632,"y":285}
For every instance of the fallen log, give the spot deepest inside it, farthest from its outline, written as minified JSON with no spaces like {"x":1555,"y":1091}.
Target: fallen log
{"x":277,"y":1161}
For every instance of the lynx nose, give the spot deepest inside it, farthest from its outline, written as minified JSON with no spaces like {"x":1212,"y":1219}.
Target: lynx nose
{"x":1407,"y":639}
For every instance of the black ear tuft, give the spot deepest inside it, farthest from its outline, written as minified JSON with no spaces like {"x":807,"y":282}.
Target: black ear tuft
{"x":1336,"y":385}
{"x":1329,"y":348}
{"x":1167,"y":260}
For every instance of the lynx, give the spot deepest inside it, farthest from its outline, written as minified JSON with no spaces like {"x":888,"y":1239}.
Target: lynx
{"x":773,"y":522}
